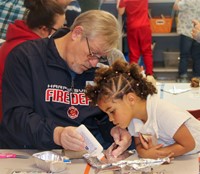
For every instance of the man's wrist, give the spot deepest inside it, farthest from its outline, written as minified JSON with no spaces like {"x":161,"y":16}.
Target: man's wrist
{"x":57,"y":135}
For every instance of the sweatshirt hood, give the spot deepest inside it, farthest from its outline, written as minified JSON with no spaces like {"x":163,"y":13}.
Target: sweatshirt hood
{"x":20,"y":31}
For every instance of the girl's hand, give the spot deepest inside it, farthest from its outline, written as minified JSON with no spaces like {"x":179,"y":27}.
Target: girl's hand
{"x":154,"y":152}
{"x":122,"y":138}
{"x":147,"y":141}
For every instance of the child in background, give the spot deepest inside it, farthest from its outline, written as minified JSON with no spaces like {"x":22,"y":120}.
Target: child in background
{"x":160,"y":128}
{"x":138,"y":31}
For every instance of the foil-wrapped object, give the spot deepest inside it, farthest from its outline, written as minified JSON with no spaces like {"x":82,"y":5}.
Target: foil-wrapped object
{"x":138,"y":164}
{"x":50,"y":161}
{"x":108,"y":161}
{"x":142,"y":163}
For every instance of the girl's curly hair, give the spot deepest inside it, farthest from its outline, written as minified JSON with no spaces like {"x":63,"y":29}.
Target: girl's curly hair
{"x":118,"y":80}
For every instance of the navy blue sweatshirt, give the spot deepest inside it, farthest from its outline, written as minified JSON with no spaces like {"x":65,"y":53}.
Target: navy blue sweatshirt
{"x":40,"y":93}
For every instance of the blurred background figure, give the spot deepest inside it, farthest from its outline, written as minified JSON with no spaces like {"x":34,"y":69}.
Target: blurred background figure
{"x":189,"y":48}
{"x":110,"y":6}
{"x":112,"y":56}
{"x":73,"y":10}
{"x":43,"y":19}
{"x":10,"y":10}
{"x":138,"y":31}
{"x":89,"y":4}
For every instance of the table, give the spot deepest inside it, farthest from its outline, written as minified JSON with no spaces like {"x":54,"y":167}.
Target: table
{"x":180,"y":165}
{"x":189,"y":100}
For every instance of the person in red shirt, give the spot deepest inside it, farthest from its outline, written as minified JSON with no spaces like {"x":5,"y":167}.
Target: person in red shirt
{"x":43,"y":18}
{"x":138,"y":31}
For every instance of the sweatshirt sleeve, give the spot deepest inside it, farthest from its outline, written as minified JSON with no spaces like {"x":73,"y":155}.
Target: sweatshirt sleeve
{"x":24,"y":127}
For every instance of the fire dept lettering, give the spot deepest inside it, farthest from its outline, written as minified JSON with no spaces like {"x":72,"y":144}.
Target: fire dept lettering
{"x":66,"y":97}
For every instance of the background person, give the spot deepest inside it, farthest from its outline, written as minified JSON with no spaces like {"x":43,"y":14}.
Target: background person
{"x":110,"y":6}
{"x":43,"y":18}
{"x":72,"y":11}
{"x":189,"y":48}
{"x":160,"y":128}
{"x":44,"y":88}
{"x":138,"y":31}
{"x":89,"y":4}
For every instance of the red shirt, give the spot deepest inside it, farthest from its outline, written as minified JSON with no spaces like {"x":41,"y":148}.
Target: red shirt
{"x":17,"y":33}
{"x":136,"y":12}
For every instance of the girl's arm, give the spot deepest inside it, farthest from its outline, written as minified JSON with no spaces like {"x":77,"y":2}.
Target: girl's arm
{"x":153,"y":152}
{"x":184,"y":142}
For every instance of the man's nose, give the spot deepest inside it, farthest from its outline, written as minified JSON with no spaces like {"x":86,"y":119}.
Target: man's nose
{"x":94,"y":62}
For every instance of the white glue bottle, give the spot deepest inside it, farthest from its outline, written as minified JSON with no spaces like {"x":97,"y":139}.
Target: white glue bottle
{"x":93,"y":147}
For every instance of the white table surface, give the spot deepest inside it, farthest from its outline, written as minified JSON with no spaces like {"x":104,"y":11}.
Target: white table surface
{"x":180,"y":165}
{"x":189,"y":100}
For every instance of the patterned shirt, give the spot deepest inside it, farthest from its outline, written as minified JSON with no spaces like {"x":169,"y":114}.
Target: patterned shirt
{"x":9,"y":11}
{"x":188,"y":10}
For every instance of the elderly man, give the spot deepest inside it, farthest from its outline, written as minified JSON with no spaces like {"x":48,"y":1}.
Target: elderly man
{"x":44,"y":88}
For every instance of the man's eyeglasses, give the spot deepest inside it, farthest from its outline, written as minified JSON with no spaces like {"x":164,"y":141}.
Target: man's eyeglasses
{"x":94,"y":55}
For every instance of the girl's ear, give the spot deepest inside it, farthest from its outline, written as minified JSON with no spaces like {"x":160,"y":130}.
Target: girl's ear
{"x":131,"y":98}
{"x":77,"y":32}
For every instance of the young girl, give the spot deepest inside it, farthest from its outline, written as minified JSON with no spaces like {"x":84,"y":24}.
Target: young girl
{"x":160,"y":128}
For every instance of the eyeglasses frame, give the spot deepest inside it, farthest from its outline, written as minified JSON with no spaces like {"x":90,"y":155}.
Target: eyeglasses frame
{"x":93,"y":55}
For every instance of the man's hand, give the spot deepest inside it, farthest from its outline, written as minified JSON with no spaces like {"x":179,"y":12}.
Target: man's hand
{"x":69,"y":138}
{"x":122,"y":138}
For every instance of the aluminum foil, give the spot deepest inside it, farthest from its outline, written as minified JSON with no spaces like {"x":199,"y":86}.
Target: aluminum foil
{"x":142,"y":163}
{"x":108,"y":161}
{"x":50,"y":161}
{"x":139,"y":164}
{"x":111,"y":159}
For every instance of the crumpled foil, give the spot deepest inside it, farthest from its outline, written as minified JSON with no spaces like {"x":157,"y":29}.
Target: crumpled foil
{"x":131,"y":164}
{"x":142,"y":163}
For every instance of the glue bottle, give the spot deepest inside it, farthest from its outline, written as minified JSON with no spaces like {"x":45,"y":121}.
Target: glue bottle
{"x":93,"y":147}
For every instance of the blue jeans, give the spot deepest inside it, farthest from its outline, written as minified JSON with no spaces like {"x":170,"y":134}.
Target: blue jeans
{"x":189,"y":48}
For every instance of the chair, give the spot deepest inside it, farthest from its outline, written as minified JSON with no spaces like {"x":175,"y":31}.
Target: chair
{"x":195,"y":113}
